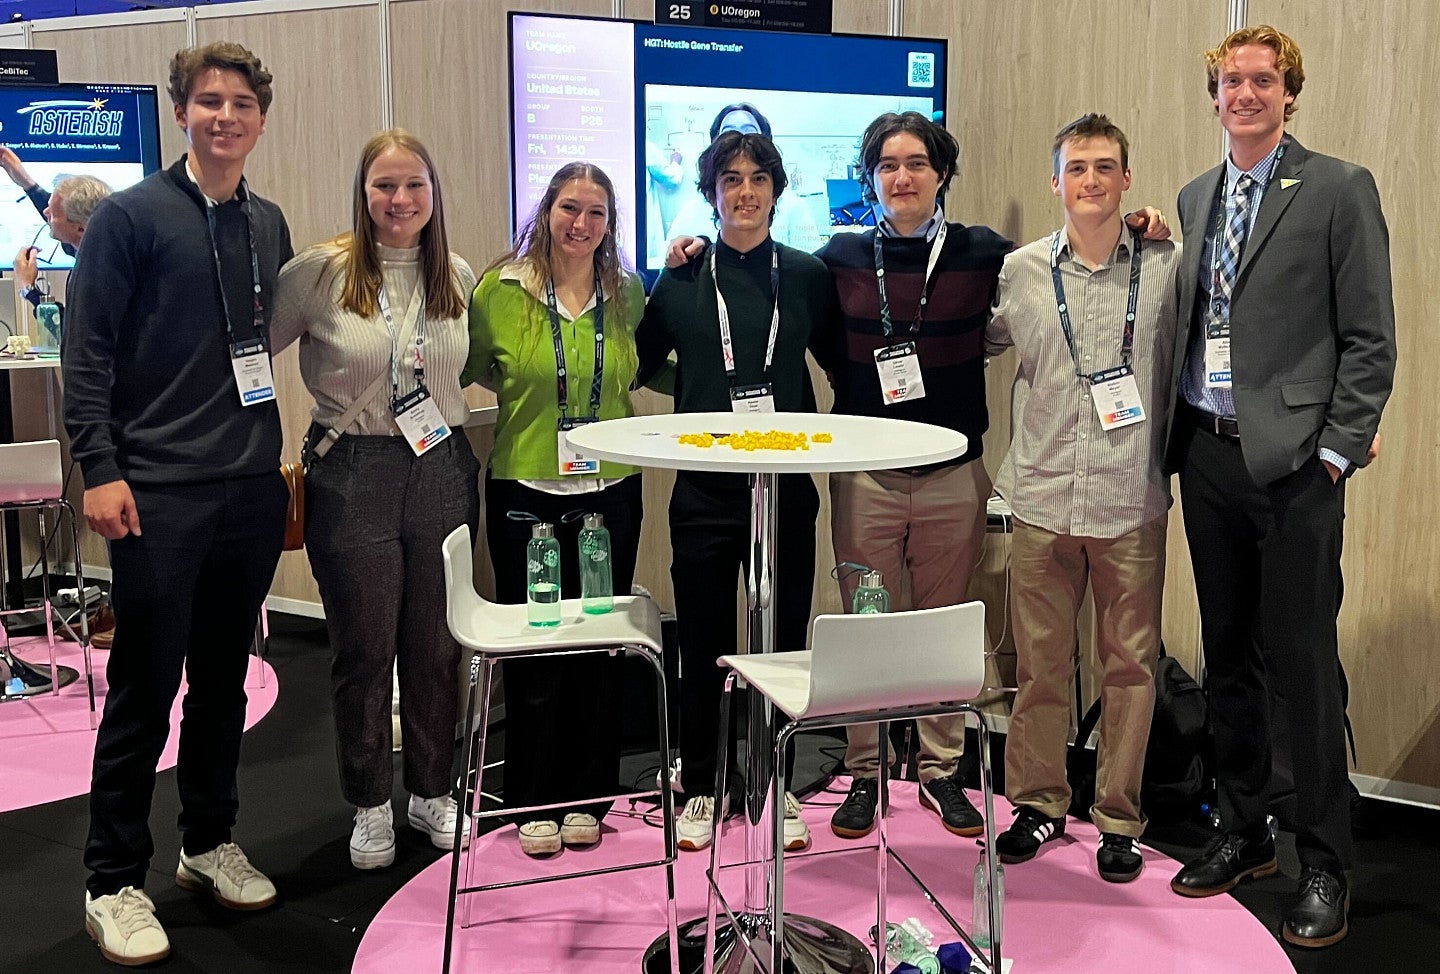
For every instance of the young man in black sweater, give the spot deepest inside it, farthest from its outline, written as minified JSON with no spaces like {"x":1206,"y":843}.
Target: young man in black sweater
{"x":739,"y":317}
{"x":170,"y":406}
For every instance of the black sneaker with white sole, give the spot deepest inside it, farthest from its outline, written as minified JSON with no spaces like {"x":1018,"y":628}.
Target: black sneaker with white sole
{"x":855,"y":818}
{"x":1031,"y":829}
{"x":1118,"y":857}
{"x":946,"y":798}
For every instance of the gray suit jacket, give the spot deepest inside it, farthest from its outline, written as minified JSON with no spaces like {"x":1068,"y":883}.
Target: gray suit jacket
{"x":1312,"y":337}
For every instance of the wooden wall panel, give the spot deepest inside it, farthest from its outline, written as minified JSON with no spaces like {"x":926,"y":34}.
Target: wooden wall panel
{"x":327,"y":103}
{"x":1366,"y":99}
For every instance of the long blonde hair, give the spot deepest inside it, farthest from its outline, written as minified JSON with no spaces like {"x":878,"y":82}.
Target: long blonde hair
{"x":356,"y":251}
{"x":532,"y":243}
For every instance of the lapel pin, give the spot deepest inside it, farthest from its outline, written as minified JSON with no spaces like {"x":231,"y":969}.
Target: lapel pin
{"x":1287,"y":183}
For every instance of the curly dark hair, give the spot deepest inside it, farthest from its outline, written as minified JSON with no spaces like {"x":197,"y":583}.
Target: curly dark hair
{"x":188,"y":63}
{"x":720,"y":153}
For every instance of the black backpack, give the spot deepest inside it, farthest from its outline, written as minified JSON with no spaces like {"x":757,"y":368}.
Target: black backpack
{"x":1178,"y":774}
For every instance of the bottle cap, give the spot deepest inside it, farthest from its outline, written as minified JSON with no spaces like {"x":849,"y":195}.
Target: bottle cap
{"x":872,"y":579}
{"x":593,"y":521}
{"x":542,"y":530}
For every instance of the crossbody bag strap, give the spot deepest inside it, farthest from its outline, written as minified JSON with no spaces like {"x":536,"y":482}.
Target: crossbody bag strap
{"x":333,"y":434}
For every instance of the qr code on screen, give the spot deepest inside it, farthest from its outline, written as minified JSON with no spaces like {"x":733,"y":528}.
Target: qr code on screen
{"x":922,"y":69}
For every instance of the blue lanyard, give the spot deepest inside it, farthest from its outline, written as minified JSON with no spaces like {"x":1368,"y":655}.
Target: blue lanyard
{"x":1127,"y":338}
{"x":562,"y":381}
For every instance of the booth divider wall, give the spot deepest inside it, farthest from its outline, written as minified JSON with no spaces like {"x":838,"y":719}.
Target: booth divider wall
{"x":1019,"y":70}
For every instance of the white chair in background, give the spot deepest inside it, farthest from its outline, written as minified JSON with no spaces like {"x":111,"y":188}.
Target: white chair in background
{"x":32,"y":479}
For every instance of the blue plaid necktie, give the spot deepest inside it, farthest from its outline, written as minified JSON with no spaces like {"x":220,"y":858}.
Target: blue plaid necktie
{"x":1230,"y":246}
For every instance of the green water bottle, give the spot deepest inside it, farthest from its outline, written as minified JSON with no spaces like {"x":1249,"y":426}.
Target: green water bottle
{"x":597,"y":590}
{"x":870,"y":597}
{"x":542,"y":576}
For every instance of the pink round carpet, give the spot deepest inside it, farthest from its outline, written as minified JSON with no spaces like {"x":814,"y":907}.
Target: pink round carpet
{"x":46,"y":744}
{"x":1059,"y":914}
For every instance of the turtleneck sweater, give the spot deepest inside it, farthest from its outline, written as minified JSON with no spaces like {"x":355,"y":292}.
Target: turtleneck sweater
{"x":341,"y":352}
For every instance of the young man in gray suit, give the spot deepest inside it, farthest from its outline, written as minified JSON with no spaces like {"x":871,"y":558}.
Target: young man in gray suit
{"x":1282,"y":374}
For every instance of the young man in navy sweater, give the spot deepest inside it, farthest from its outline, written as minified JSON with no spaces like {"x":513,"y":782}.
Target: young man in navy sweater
{"x":170,"y":406}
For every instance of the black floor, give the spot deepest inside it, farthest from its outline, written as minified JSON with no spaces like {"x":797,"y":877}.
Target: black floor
{"x":295,"y":826}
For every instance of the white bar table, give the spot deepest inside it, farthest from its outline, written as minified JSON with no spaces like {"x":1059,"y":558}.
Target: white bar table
{"x":812,"y":946}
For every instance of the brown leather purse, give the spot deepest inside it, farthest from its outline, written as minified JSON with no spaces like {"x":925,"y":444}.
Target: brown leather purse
{"x":294,"y":475}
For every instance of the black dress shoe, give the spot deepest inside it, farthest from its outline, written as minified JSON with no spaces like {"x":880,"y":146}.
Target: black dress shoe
{"x":1224,"y":863}
{"x":1320,"y":917}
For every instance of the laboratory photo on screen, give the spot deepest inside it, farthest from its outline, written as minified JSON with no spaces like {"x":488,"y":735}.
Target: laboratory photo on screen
{"x":817,"y":133}
{"x":110,"y":132}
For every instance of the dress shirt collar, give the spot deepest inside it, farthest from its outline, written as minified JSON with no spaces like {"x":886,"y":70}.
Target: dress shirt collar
{"x":1260,"y":172}
{"x":525,"y":275}
{"x":242,"y":191}
{"x":928,"y":229}
{"x":1122,"y":247}
{"x":759,"y":253}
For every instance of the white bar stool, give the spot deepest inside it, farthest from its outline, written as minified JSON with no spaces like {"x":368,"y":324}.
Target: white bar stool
{"x":495,"y":633}
{"x":863,"y":669}
{"x":32,"y":479}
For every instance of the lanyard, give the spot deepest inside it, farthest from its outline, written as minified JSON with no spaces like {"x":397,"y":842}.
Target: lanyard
{"x":562,"y":381}
{"x":254,"y":267}
{"x":726,"y":345}
{"x":935,"y":247}
{"x":1127,"y":337}
{"x":1220,"y":220}
{"x":384,"y":302}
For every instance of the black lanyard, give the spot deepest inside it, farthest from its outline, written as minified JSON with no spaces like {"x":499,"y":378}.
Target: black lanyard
{"x":1127,"y":337}
{"x":254,"y":264}
{"x":935,"y":246}
{"x":727,"y":346}
{"x":384,"y":301}
{"x":562,"y":382}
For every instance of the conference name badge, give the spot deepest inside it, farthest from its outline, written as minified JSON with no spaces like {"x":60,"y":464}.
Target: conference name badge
{"x":420,"y":421}
{"x":1217,"y":362}
{"x":899,"y":369}
{"x":1117,"y":398}
{"x":250,"y":361}
{"x":573,"y":463}
{"x":753,"y":399}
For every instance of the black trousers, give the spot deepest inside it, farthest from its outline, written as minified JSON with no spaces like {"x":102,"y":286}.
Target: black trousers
{"x":186,"y":595}
{"x":562,"y":716}
{"x":376,"y":518}
{"x":1267,"y":572}
{"x":710,"y":545}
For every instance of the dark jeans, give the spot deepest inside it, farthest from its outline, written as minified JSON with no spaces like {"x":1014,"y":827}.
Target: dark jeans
{"x":562,"y":716}
{"x":1267,"y":572}
{"x":376,"y":517}
{"x":710,"y":544}
{"x":186,"y":595}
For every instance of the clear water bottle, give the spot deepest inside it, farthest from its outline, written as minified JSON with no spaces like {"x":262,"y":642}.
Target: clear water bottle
{"x":870,"y":597}
{"x":980,"y":914}
{"x":597,"y":591}
{"x":542,"y":576}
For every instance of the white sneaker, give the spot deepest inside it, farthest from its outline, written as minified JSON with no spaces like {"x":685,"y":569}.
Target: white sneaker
{"x":674,"y":778}
{"x":540,"y":838}
{"x":372,"y":842}
{"x":579,"y":829}
{"x":693,"y":827}
{"x":797,"y":833}
{"x":124,"y":927}
{"x":436,"y":818}
{"x":229,"y":877}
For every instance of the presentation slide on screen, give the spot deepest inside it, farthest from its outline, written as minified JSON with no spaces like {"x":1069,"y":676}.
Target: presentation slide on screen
{"x":640,"y":102}
{"x":106,"y":131}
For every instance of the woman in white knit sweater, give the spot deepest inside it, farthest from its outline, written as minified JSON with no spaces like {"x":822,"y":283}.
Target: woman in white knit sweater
{"x":380,"y":315}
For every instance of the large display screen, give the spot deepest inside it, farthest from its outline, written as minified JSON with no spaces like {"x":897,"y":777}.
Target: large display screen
{"x":641,"y":101}
{"x":111,"y":132}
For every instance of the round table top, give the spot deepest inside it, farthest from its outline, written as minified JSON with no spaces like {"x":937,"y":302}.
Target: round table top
{"x":860,"y":442}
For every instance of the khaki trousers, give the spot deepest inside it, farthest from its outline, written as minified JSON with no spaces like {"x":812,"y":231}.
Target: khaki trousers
{"x":1048,"y":575}
{"x":934,"y":524}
